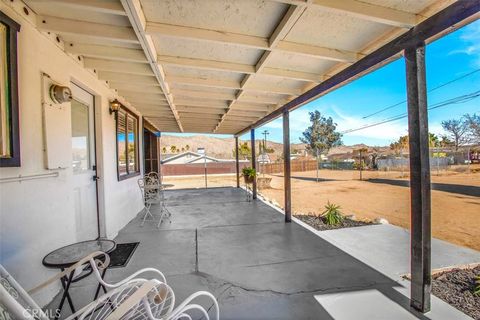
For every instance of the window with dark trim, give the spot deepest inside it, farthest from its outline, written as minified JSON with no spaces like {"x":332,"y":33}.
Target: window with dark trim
{"x":9,"y":127}
{"x":127,"y":144}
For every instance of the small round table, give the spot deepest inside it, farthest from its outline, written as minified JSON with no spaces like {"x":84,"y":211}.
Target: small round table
{"x":64,"y":257}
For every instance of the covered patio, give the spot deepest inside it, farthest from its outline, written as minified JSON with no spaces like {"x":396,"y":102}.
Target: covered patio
{"x":93,"y":84}
{"x":261,"y":268}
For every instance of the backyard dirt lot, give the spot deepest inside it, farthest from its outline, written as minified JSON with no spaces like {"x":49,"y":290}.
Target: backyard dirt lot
{"x":455,"y":198}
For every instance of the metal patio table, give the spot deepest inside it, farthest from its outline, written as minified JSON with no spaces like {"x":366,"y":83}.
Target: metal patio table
{"x":67,"y":256}
{"x":156,"y":192}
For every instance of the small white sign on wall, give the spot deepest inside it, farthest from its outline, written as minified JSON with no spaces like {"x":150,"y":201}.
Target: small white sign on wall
{"x":56,"y":130}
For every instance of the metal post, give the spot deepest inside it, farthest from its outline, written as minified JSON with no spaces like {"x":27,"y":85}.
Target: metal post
{"x":286,"y":167}
{"x":361,"y":165}
{"x":237,"y":163}
{"x":419,"y":179}
{"x":254,"y":163}
{"x":316,"y":151}
{"x":205,"y":165}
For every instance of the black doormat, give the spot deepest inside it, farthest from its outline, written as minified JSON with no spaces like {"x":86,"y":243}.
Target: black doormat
{"x":122,"y":254}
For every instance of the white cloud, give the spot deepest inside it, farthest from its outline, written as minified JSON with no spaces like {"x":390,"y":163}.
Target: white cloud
{"x":299,"y":120}
{"x":389,"y":131}
{"x":470,"y":35}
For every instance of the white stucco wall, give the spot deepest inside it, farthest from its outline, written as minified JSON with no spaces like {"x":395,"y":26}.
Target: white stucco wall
{"x":37,"y":216}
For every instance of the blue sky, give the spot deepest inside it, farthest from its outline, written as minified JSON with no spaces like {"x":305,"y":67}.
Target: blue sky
{"x":447,"y":58}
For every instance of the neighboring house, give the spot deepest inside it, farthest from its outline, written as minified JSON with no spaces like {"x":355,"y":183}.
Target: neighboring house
{"x":190,"y":157}
{"x":264,"y":159}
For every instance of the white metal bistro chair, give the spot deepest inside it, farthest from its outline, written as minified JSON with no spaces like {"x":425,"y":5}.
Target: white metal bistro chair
{"x":153,"y":193}
{"x":134,"y":299}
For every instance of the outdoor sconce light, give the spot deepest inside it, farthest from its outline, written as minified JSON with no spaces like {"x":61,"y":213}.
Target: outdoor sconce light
{"x":60,"y":94}
{"x":115,"y":106}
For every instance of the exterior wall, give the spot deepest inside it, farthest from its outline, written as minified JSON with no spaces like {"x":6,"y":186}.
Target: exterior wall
{"x":38,"y":216}
{"x":199,"y":168}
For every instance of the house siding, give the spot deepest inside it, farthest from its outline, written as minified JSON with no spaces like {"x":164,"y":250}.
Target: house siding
{"x":38,"y":216}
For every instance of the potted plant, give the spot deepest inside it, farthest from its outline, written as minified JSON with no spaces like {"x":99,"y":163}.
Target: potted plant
{"x":249,"y":174}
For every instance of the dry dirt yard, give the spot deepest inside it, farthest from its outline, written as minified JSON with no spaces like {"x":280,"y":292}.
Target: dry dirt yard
{"x":455,"y":206}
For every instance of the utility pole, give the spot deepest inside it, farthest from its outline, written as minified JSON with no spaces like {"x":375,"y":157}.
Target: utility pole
{"x":264,"y":150}
{"x":265,"y":133}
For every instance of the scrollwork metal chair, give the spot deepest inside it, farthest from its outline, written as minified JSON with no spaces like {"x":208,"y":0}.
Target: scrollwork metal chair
{"x":153,"y":193}
{"x":133,"y":299}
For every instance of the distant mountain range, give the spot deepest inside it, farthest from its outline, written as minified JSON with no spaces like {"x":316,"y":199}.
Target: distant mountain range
{"x":222,"y":148}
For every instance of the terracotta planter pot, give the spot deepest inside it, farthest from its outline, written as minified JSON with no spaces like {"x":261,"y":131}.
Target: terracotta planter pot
{"x":248,"y":180}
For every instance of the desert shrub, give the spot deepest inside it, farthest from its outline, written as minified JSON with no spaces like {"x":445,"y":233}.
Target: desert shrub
{"x":476,"y":290}
{"x":332,"y":214}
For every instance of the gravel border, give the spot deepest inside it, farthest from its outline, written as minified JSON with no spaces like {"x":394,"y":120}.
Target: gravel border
{"x":455,"y":287}
{"x":318,"y":223}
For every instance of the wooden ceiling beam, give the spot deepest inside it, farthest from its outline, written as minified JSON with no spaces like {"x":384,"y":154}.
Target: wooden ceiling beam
{"x":117,"y":66}
{"x":127,"y":78}
{"x":137,"y":18}
{"x":362,"y":10}
{"x":106,"y":52}
{"x":203,"y":94}
{"x":287,"y":22}
{"x":110,"y":7}
{"x":89,"y":29}
{"x":186,"y":32}
{"x":370,"y":12}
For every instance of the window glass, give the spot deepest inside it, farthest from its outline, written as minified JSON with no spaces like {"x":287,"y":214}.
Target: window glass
{"x":80,"y":137}
{"x":132,"y":137}
{"x":121,"y":143}
{"x":127,"y":143}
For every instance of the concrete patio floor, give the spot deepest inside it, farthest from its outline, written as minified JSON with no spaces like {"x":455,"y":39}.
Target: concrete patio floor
{"x":259,"y":267}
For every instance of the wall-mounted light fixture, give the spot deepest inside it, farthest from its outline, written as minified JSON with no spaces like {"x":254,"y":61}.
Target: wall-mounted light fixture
{"x":115,"y":106}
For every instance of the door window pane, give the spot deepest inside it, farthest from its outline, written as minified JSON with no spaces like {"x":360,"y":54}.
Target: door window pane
{"x":80,"y":137}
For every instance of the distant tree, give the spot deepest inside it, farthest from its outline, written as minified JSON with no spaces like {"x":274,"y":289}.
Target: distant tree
{"x":183,"y":149}
{"x":473,"y":123}
{"x":373,"y":158}
{"x":433,"y":141}
{"x":187,"y":147}
{"x":400,"y":145}
{"x":173,"y":149}
{"x":457,"y":131}
{"x":164,"y":150}
{"x":445,"y":142}
{"x":244,"y":151}
{"x":322,"y":134}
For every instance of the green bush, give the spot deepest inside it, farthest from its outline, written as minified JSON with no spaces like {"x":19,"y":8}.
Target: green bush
{"x":332,"y":214}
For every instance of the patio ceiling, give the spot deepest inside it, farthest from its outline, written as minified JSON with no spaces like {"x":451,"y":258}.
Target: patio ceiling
{"x":219,"y":66}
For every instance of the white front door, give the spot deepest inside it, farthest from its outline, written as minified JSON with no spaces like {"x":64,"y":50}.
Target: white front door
{"x":83,"y":164}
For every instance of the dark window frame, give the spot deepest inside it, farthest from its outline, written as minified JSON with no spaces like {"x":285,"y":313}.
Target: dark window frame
{"x":12,"y":63}
{"x":128,"y":114}
{"x":147,"y":126}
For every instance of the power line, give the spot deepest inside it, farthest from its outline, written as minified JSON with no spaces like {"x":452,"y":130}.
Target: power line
{"x":433,"y":89}
{"x":451,"y":101}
